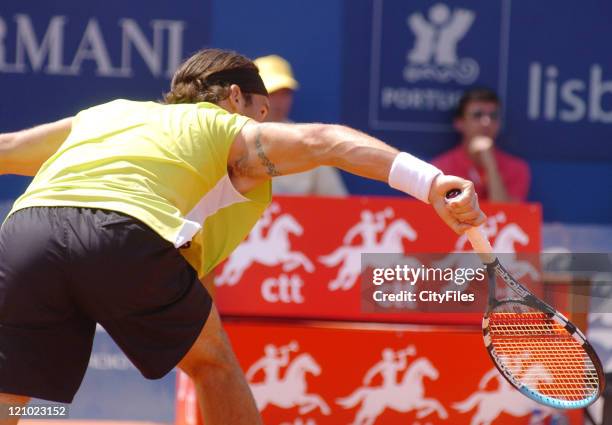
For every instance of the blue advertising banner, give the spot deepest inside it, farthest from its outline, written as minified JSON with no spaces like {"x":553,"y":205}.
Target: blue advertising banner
{"x":401,"y":67}
{"x":407,"y":63}
{"x":57,"y":58}
{"x":424,"y":55}
{"x":553,"y":72}
{"x":559,"y":93}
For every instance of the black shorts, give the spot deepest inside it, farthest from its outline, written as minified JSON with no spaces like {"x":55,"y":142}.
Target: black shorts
{"x":63,"y":269}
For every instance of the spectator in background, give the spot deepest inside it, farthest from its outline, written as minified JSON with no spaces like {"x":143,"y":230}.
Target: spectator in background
{"x":497,"y":176}
{"x":278,"y":78}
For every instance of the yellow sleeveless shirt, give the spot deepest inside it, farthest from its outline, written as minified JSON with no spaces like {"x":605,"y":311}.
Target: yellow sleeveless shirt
{"x":165,"y":165}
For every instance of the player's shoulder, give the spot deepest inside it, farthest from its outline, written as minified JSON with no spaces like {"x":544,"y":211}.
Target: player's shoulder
{"x":202,"y":115}
{"x":120,"y":107}
{"x":217,"y":119}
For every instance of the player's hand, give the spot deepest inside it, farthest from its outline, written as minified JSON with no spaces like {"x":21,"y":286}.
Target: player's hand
{"x":459,"y":213}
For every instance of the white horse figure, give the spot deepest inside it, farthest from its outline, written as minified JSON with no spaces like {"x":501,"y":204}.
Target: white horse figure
{"x":291,"y":390}
{"x":350,"y":256}
{"x":504,"y":244}
{"x":489,"y":229}
{"x":505,"y":241}
{"x":505,"y":399}
{"x":408,"y":395}
{"x":270,"y":251}
{"x":457,"y":259}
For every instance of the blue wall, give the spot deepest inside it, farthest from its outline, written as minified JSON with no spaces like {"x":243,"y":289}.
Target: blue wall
{"x":307,"y":33}
{"x":331,"y":43}
{"x":561,"y":126}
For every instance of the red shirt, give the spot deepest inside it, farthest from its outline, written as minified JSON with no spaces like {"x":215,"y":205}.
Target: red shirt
{"x":513,"y":170}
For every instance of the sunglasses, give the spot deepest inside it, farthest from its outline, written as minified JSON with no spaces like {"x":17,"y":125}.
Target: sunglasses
{"x":478,"y":115}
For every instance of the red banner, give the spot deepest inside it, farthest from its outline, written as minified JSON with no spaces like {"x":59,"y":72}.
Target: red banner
{"x":396,"y":374}
{"x":303,"y":258}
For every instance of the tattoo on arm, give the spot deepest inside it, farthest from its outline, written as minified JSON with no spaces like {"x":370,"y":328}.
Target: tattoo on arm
{"x":270,"y":167}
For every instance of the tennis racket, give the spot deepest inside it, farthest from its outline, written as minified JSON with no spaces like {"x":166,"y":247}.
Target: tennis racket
{"x":537,"y":349}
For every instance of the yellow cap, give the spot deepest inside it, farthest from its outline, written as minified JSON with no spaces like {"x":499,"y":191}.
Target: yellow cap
{"x":276,"y":73}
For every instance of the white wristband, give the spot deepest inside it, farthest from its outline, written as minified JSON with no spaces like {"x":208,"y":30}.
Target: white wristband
{"x":412,"y":176}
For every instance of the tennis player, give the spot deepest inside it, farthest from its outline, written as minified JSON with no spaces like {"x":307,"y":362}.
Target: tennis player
{"x":134,"y":201}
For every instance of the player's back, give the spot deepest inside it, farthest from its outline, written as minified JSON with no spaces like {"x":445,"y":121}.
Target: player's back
{"x":124,"y":149}
{"x":151,"y":161}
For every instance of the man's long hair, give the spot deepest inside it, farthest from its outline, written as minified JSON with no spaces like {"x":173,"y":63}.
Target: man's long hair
{"x":191,"y":82}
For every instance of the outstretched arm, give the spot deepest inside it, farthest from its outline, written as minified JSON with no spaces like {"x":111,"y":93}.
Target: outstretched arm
{"x":262,"y":151}
{"x":23,"y":152}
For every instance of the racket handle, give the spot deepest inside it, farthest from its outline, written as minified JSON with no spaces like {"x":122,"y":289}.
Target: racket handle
{"x":481,"y":244}
{"x":475,"y":235}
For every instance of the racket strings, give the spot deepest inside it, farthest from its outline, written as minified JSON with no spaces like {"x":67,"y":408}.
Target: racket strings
{"x":542,"y":355}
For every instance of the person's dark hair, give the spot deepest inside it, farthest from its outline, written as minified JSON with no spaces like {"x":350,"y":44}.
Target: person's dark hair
{"x":207,"y":75}
{"x":478,"y":94}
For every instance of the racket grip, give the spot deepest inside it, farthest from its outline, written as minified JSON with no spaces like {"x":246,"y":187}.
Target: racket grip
{"x":475,"y":235}
{"x":481,"y":244}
